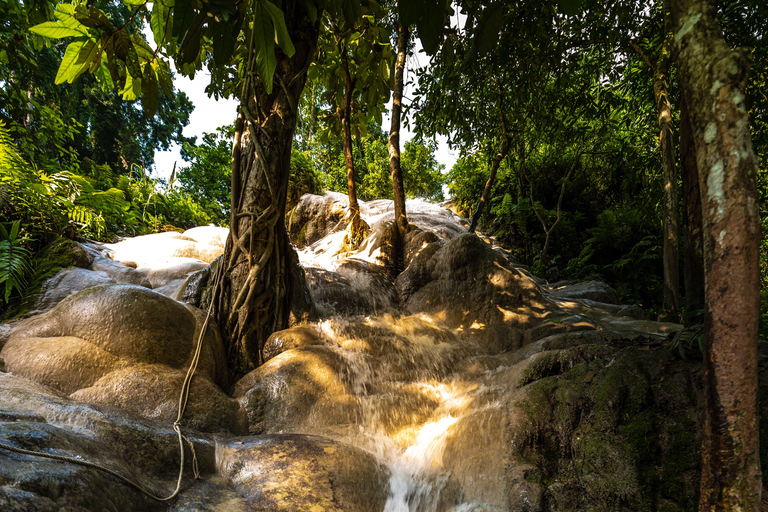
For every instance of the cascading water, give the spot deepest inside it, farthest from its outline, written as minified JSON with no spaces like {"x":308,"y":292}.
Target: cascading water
{"x":405,"y":373}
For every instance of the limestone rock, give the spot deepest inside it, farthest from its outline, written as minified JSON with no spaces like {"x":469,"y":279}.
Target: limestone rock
{"x":209,"y":235}
{"x":296,"y":390}
{"x":317,"y":216}
{"x":287,"y":339}
{"x":132,"y":323}
{"x":66,"y":282}
{"x":64,"y":363}
{"x":597,"y":291}
{"x":120,"y":273}
{"x":299,"y":473}
{"x":355,"y":288}
{"x":467,"y":285}
{"x":152,"y":391}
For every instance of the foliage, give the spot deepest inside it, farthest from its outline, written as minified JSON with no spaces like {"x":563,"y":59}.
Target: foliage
{"x":14,"y":260}
{"x":422,"y":175}
{"x":60,"y":126}
{"x":209,"y":175}
{"x":50,"y":205}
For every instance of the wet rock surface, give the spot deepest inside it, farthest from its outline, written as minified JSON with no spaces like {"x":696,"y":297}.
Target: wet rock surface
{"x":463,"y":385}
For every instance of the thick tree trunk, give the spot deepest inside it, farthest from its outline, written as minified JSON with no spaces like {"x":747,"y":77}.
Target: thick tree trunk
{"x":358,"y":229}
{"x":253,"y":298}
{"x":398,"y":190}
{"x":693,"y":268}
{"x":713,"y":79}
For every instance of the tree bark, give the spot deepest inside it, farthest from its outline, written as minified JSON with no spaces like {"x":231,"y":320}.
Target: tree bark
{"x":693,"y":268}
{"x":713,"y":79}
{"x":494,"y":168}
{"x":252,"y":298}
{"x":671,"y":303}
{"x":393,"y":145}
{"x":358,"y":229}
{"x":670,"y":309}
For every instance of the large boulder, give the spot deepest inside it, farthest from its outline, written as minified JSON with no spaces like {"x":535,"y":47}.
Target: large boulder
{"x":65,"y":363}
{"x":152,"y":391}
{"x":35,"y":417}
{"x":66,"y":282}
{"x":304,"y":474}
{"x":317,"y":216}
{"x":209,"y":235}
{"x":355,"y":288}
{"x":147,"y":250}
{"x":300,"y":390}
{"x":465,"y":284}
{"x":131,"y":323}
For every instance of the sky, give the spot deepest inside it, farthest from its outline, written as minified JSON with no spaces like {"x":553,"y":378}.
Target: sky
{"x":209,"y":114}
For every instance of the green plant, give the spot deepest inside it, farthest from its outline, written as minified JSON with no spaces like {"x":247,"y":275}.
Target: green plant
{"x":14,"y":260}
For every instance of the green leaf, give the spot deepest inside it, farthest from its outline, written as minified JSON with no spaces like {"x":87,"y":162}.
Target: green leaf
{"x":55,"y":30}
{"x":281,"y":32}
{"x":264,"y":46}
{"x":164,"y":79}
{"x":161,"y":23}
{"x":69,"y":67}
{"x":150,"y":96}
{"x":491,"y":22}
{"x":352,"y":11}
{"x":133,"y":2}
{"x":122,"y":43}
{"x":92,"y":17}
{"x":143,"y":50}
{"x":103,"y":76}
{"x":183,"y":16}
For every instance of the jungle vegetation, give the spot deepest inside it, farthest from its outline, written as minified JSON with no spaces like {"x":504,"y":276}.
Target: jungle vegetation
{"x":596,"y":141}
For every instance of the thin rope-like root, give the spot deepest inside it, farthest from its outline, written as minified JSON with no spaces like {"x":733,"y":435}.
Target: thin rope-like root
{"x":252,"y":275}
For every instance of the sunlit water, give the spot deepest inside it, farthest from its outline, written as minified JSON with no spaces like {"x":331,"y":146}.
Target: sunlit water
{"x":404,"y":377}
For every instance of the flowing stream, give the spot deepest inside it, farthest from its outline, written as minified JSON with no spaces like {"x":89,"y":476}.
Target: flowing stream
{"x":407,"y":374}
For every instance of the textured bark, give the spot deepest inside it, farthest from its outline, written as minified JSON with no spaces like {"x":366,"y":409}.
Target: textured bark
{"x":670,"y":310}
{"x":393,"y":145}
{"x":693,"y":242}
{"x":713,"y":79}
{"x":358,"y":229}
{"x":253,"y":296}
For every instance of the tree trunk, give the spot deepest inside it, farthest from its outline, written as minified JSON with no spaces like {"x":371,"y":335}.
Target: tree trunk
{"x":358,"y":229}
{"x":693,"y":268}
{"x":670,"y":309}
{"x":671,"y":304}
{"x":398,"y":190}
{"x":253,"y":297}
{"x":494,"y":167}
{"x":713,"y":79}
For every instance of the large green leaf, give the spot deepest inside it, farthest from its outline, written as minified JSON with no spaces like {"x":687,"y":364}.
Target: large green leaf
{"x":264,"y":42}
{"x":183,"y":16}
{"x":69,"y":67}
{"x":160,"y":22}
{"x":92,"y":17}
{"x":150,"y":96}
{"x":103,"y":76}
{"x":55,"y":30}
{"x":281,"y":32}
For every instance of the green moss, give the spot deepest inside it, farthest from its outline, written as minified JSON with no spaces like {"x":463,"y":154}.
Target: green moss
{"x":624,"y":434}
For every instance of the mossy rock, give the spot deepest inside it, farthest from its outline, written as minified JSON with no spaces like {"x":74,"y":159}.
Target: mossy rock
{"x":60,"y":254}
{"x":617,"y":431}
